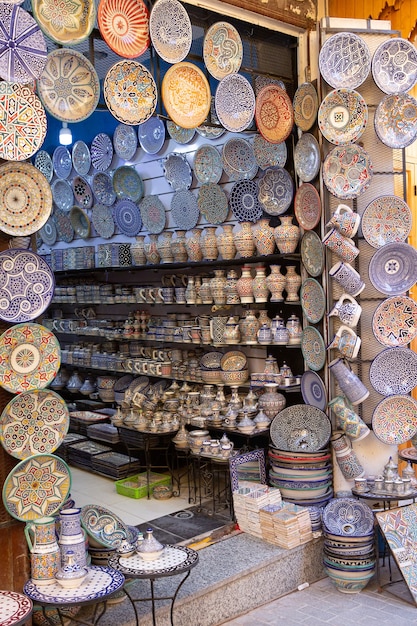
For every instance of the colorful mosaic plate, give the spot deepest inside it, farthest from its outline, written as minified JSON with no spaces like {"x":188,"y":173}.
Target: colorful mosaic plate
{"x":235,"y":103}
{"x":184,"y":83}
{"x":43,"y":163}
{"x":238,"y":158}
{"x":313,"y":300}
{"x":15,"y":608}
{"x":300,"y":428}
{"x":313,"y":390}
{"x":393,"y":268}
{"x":269,"y":154}
{"x":208,"y":167}
{"x":313,"y":348}
{"x":103,"y":526}
{"x":394,"y":420}
{"x":394,"y":371}
{"x":222,"y":50}
{"x":63,"y":226}
{"x":101,"y":152}
{"x":386,"y":219}
{"x":124,"y":26}
{"x":62,"y":162}
{"x":81,"y":158}
{"x":276,"y":190}
{"x":151,"y":135}
{"x":395,"y":120}
{"x":274,"y":113}
{"x":394,"y":322}
{"x":394,"y":66}
{"x":184,"y":209}
{"x":213,"y":204}
{"x":68,"y":22}
{"x":103,"y":188}
{"x":244,"y":201}
{"x":103,"y":221}
{"x":345,"y":60}
{"x":130,"y":92}
{"x":343,"y":116}
{"x":153,"y":214}
{"x":127,"y":217}
{"x":307,"y":206}
{"x":170,"y":30}
{"x":347,"y":171}
{"x":127,"y":183}
{"x":307,"y":158}
{"x":179,"y":134}
{"x":305,"y":104}
{"x":312,"y":253}
{"x":125,"y":141}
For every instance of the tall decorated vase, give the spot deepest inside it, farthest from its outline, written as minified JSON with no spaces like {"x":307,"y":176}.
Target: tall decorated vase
{"x":151,"y":249}
{"x":179,"y":251}
{"x":225,"y":242}
{"x":137,"y":250}
{"x":259,"y":285}
{"x":209,"y":243}
{"x":243,"y":239}
{"x":244,"y":285}
{"x":164,"y":247}
{"x":286,"y":235}
{"x":193,"y":245}
{"x":276,"y":283}
{"x":218,"y":287}
{"x":263,"y":235}
{"x":249,"y":326}
{"x":292,"y":284}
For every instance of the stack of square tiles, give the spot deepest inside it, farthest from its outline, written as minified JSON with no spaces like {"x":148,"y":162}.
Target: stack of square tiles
{"x":286,"y":525}
{"x":248,"y":500}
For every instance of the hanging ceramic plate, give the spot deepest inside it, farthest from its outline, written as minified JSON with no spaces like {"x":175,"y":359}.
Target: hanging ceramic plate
{"x":307,"y":206}
{"x":177,"y":171}
{"x":269,"y":154}
{"x":307,"y":159}
{"x":274,"y":113}
{"x":101,"y":152}
{"x":394,"y":420}
{"x":153,"y":214}
{"x":347,"y":171}
{"x":345,"y":60}
{"x":103,"y":188}
{"x":312,"y":253}
{"x":127,"y":183}
{"x":170,"y":30}
{"x":130,"y":92}
{"x":62,"y":161}
{"x":36,"y":487}
{"x":394,"y":371}
{"x":25,"y":199}
{"x":63,"y":226}
{"x":127,"y":217}
{"x":43,"y":163}
{"x":82,"y":192}
{"x":151,"y":135}
{"x":182,"y":84}
{"x":208,"y":166}
{"x":394,"y":322}
{"x":394,"y":66}
{"x":343,"y":116}
{"x":62,"y":194}
{"x":125,"y":141}
{"x":69,"y":86}
{"x":184,"y":209}
{"x":80,"y":222}
{"x":68,"y":22}
{"x":238,"y":158}
{"x":386,"y":219}
{"x":276,"y":190}
{"x":179,"y":134}
{"x":348,"y":517}
{"x":305,"y":104}
{"x":124,"y":26}
{"x":313,"y":300}
{"x":313,"y":390}
{"x":103,"y":222}
{"x":213,"y":129}
{"x":235,"y":103}
{"x":244,"y":201}
{"x":103,"y":525}
{"x":81,"y":158}
{"x":395,"y":120}
{"x":222,"y":50}
{"x":48,"y":233}
{"x":212,"y":202}
{"x":300,"y":428}
{"x":393,"y":268}
{"x":313,"y":348}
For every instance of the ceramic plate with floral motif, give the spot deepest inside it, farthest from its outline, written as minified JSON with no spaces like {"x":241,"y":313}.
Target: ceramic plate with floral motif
{"x":124,"y":26}
{"x":348,"y":517}
{"x":393,"y":268}
{"x":153,"y":214}
{"x":305,"y":104}
{"x":127,"y":183}
{"x":269,"y":154}
{"x":395,"y":120}
{"x":235,"y":103}
{"x":130,"y":92}
{"x":179,"y":134}
{"x":345,"y":60}
{"x":151,"y":135}
{"x":386,"y":219}
{"x":274,"y":113}
{"x":307,"y":206}
{"x":68,"y":22}
{"x":394,"y":322}
{"x":343,"y":116}
{"x":313,"y":348}
{"x":184,"y":209}
{"x":394,"y":371}
{"x":170,"y":30}
{"x":208,"y":167}
{"x":312,"y":253}
{"x":300,"y":428}
{"x":394,"y":420}
{"x":276,"y":190}
{"x":103,"y":221}
{"x":313,"y":300}
{"x":213,"y":204}
{"x":347,"y":171}
{"x":238,"y":158}
{"x":394,"y":65}
{"x":125,"y":141}
{"x":103,"y":526}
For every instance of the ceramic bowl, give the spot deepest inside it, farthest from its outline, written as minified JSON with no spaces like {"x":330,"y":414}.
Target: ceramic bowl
{"x":211,"y":376}
{"x":350,"y":584}
{"x":234,"y":378}
{"x":162,"y":492}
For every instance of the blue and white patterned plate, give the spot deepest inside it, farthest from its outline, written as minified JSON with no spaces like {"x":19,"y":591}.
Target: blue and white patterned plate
{"x":184,"y":209}
{"x":82,"y":192}
{"x":62,"y":194}
{"x":235,"y":103}
{"x":394,"y":371}
{"x":151,"y":135}
{"x":127,"y":217}
{"x":244,"y":201}
{"x":345,"y":60}
{"x":48,"y":233}
{"x":103,"y":526}
{"x":313,"y":390}
{"x":269,"y":154}
{"x":125,"y":141}
{"x":153,"y":214}
{"x":276,"y":190}
{"x":300,"y":428}
{"x":103,"y":221}
{"x":238,"y":158}
{"x":81,"y":158}
{"x":101,"y":152}
{"x":307,"y":157}
{"x":393,"y":268}
{"x":213,"y":204}
{"x":127,"y":183}
{"x":44,"y":164}
{"x":394,"y":66}
{"x":313,"y":300}
{"x":103,"y":188}
{"x":62,"y":162}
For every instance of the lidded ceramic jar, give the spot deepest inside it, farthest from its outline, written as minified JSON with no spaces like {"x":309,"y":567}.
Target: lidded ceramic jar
{"x":232,"y":294}
{"x":264,"y":334}
{"x":244,"y":285}
{"x":151,"y":249}
{"x":150,"y":548}
{"x":292,"y":284}
{"x":295,"y":330}
{"x":264,"y":318}
{"x":243,"y":239}
{"x":249,"y":326}
{"x":218,"y":287}
{"x":263,"y":235}
{"x":137,"y":250}
{"x":259,"y":286}
{"x":276,"y":283}
{"x":179,"y":251}
{"x":193,"y":245}
{"x":232,"y":332}
{"x":280,"y":333}
{"x":164,"y":247}
{"x":286,"y":235}
{"x":225,"y":242}
{"x":209,"y":243}
{"x":271,"y":401}
{"x":71,"y":575}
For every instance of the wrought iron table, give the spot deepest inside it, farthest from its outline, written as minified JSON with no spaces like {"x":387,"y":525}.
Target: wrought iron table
{"x":15,"y":608}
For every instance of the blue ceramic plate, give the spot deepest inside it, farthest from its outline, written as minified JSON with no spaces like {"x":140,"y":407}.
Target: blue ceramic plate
{"x":127,"y":217}
{"x":313,"y":390}
{"x":151,"y":135}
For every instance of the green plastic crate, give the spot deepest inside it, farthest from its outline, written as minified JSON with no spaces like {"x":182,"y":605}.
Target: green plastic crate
{"x":136,"y":486}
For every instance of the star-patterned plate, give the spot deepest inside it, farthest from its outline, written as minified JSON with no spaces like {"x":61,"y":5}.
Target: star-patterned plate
{"x":386,"y":219}
{"x":394,"y":322}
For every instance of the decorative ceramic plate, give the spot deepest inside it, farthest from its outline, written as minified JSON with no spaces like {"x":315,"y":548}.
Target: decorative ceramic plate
{"x":313,"y":348}
{"x":211,"y":360}
{"x":305,"y":104}
{"x":307,"y":158}
{"x":269,"y":154}
{"x":222,"y":50}
{"x":394,"y":66}
{"x":394,"y":371}
{"x":347,"y":171}
{"x":179,"y":134}
{"x":62,"y":194}
{"x":343,"y":116}
{"x":394,"y":322}
{"x":274,"y":113}
{"x":125,"y":141}
{"x":238,"y":158}
{"x":22,"y":122}
{"x":130,"y":92}
{"x":63,"y":226}
{"x":69,"y":86}
{"x":101,"y":152}
{"x":208,"y":167}
{"x":153,"y":214}
{"x":235,"y":103}
{"x":213,"y":204}
{"x":313,"y":390}
{"x":62,"y":162}
{"x":386,"y":219}
{"x":170,"y":30}
{"x":25,"y":199}
{"x":233,"y":360}
{"x":103,"y":188}
{"x":182,"y":84}
{"x":48,"y":233}
{"x":34,"y":422}
{"x":103,"y":526}
{"x":395,"y":120}
{"x":307,"y":206}
{"x":43,"y":163}
{"x":345,"y":60}
{"x":312,"y":253}
{"x":15,"y":608}
{"x":301,"y":427}
{"x":393,"y":268}
{"x":348,"y":517}
{"x":68,"y":23}
{"x":313,"y":300}
{"x":394,"y":420}
{"x":124,"y":26}
{"x":151,"y":135}
{"x":244,"y":201}
{"x":177,"y":171}
{"x":127,"y":217}
{"x":184,"y":209}
{"x":81,"y":158}
{"x":127,"y":183}
{"x":276,"y":190}
{"x":103,"y":221}
{"x":82,"y":192}
{"x":80,"y":222}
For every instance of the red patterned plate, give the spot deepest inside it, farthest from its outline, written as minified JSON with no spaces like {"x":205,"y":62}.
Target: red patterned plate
{"x":124,"y":26}
{"x":274,"y":113}
{"x":307,"y":206}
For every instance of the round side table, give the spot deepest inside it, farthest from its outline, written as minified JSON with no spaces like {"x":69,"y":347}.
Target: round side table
{"x":15,"y":608}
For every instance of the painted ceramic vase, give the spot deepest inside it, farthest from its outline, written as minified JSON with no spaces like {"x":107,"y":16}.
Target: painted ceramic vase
{"x":232,"y":294}
{"x":245,"y":286}
{"x":264,"y":318}
{"x":137,"y":250}
{"x":280,"y":333}
{"x":292,"y":284}
{"x":164,"y":247}
{"x":351,"y":386}
{"x":271,"y":402}
{"x":243,"y":239}
{"x":71,"y":536}
{"x":205,"y":291}
{"x":286,"y":235}
{"x":346,"y":458}
{"x":45,"y":555}
{"x":190,"y":291}
{"x":179,"y":251}
{"x":193,"y":245}
{"x":249,"y":326}
{"x":151,"y":249}
{"x":347,"y":419}
{"x":225,"y":242}
{"x":218,"y":287}
{"x":259,"y":285}
{"x":263,"y":235}
{"x":209,"y":243}
{"x":264,"y":335}
{"x":276,"y":283}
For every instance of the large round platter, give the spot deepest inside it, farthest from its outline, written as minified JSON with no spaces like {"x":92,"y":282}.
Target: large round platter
{"x":395,"y":120}
{"x":313,"y":348}
{"x":62,"y":194}
{"x":238,"y":158}
{"x":208,"y":166}
{"x":25,"y":199}
{"x":151,"y":135}
{"x":312,"y":253}
{"x":170,"y":30}
{"x":345,"y":60}
{"x":48,"y":233}
{"x":182,"y":84}
{"x":177,"y":171}
{"x":222,"y":50}
{"x":127,"y":183}
{"x":22,"y":45}
{"x":394,"y":371}
{"x":15,"y":608}
{"x":43,"y":163}
{"x":69,"y":86}
{"x":179,"y":134}
{"x":103,"y":188}
{"x":103,"y":526}
{"x":300,"y":427}
{"x":274,"y":113}
{"x":82,"y":192}
{"x":101,"y":152}
{"x":307,"y":158}
{"x":394,"y":420}
{"x":153,"y":214}
{"x":130,"y":92}
{"x":313,"y":390}
{"x":127,"y":217}
{"x":393,"y":268}
{"x":80,"y":222}
{"x":394,"y":66}
{"x":62,"y":162}
{"x":34,"y":422}
{"x":103,"y":221}
{"x":343,"y":116}
{"x":23,"y":122}
{"x":235,"y":103}
{"x":68,"y":23}
{"x":386,"y":219}
{"x":305,"y":104}
{"x":36,"y":487}
{"x":125,"y":141}
{"x":81,"y":158}
{"x":307,"y":206}
{"x":213,"y":204}
{"x":124,"y":26}
{"x":63,"y":226}
{"x":244,"y":201}
{"x":347,"y":171}
{"x":313,"y":300}
{"x":184,"y":209}
{"x":348,"y":517}
{"x":269,"y":154}
{"x":276,"y":190}
{"x":394,"y":322}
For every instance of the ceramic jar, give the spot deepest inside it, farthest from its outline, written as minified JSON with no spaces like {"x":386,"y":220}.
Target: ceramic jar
{"x":345,"y":456}
{"x":71,"y":536}
{"x":280,"y":333}
{"x":292,"y":284}
{"x":231,"y":332}
{"x":264,"y":335}
{"x":276,"y":283}
{"x":178,"y":249}
{"x":243,"y":239}
{"x":347,"y":419}
{"x":232,"y":294}
{"x":193,"y":245}
{"x":150,"y":548}
{"x":164,"y":247}
{"x":264,"y":318}
{"x":286,"y":235}
{"x":190,"y":291}
{"x":217,"y":326}
{"x":249,"y":326}
{"x":151,"y":249}
{"x":295,"y":330}
{"x":225,"y":242}
{"x":71,"y":574}
{"x":218,"y":287}
{"x":263,"y":235}
{"x":209,"y":243}
{"x":137,"y":250}
{"x":351,"y":386}
{"x":271,"y":401}
{"x":45,"y":555}
{"x":205,"y":291}
{"x":259,"y":285}
{"x":244,"y":285}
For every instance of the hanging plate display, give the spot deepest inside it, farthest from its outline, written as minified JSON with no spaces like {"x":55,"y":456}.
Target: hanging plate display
{"x":394,"y":420}
{"x":127,"y":183}
{"x":62,"y":194}
{"x":343,"y":116}
{"x":386,"y":219}
{"x":101,"y":152}
{"x":235,"y":103}
{"x":103,"y":188}
{"x":43,"y":163}
{"x":395,"y":120}
{"x":300,"y":428}
{"x":345,"y":60}
{"x":313,"y":300}
{"x":62,"y":161}
{"x":313,"y":348}
{"x":177,"y":171}
{"x":82,"y":192}
{"x":307,"y":159}
{"x":348,"y":517}
{"x":312,"y":253}
{"x":244,"y":201}
{"x":125,"y":141}
{"x":179,"y":134}
{"x":25,"y":199}
{"x":269,"y":154}
{"x":170,"y":30}
{"x":151,"y":135}
{"x":69,"y":86}
{"x":393,"y":268}
{"x":103,"y":222}
{"x":184,"y":209}
{"x":208,"y":166}
{"x":274,"y":113}
{"x":130,"y":92}
{"x":394,"y":371}
{"x":124,"y":26}
{"x":185,"y":83}
{"x":394,"y":322}
{"x":212,"y":202}
{"x":127,"y":217}
{"x":48,"y":233}
{"x":305,"y":104}
{"x":222,"y":50}
{"x":313,"y":390}
{"x":63,"y":226}
{"x":80,"y":222}
{"x":276,"y":190}
{"x":347,"y":171}
{"x":68,"y":22}
{"x":81,"y":158}
{"x":307,"y":206}
{"x":153,"y":214}
{"x":238,"y":158}
{"x":394,"y":66}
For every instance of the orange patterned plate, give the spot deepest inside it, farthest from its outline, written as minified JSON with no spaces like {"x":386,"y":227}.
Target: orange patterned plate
{"x":130,"y":92}
{"x":186,"y":95}
{"x":124,"y":26}
{"x":274,"y":113}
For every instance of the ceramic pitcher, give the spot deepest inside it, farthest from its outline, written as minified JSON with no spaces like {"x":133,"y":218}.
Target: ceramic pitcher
{"x":347,"y":309}
{"x":345,"y":220}
{"x":346,"y":458}
{"x":347,"y":419}
{"x":346,"y":341}
{"x":352,"y":387}
{"x":45,"y":556}
{"x":71,"y":536}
